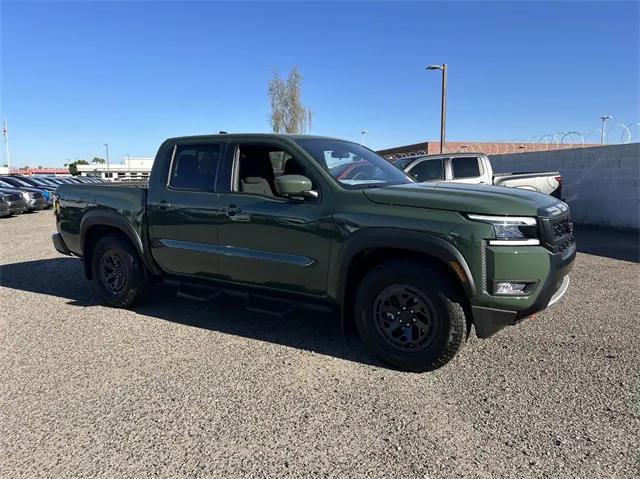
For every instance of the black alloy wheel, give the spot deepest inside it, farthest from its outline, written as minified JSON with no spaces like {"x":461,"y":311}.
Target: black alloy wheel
{"x":113,"y":273}
{"x":405,"y":317}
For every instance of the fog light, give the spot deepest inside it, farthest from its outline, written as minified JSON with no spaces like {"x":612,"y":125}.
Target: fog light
{"x":510,"y":288}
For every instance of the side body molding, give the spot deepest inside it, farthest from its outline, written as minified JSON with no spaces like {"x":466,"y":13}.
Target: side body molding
{"x":372,"y":238}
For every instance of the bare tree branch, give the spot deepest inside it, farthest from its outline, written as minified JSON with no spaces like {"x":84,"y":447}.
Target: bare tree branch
{"x":288,"y":115}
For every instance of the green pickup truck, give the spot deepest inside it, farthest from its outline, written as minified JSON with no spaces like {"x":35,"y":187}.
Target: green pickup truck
{"x":412,"y":265}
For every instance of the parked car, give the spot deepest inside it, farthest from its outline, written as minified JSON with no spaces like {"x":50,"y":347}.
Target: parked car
{"x":45,"y":180}
{"x":56,"y":180}
{"x":475,"y":168}
{"x":33,"y":197}
{"x":413,"y":265}
{"x":36,"y":182}
{"x":4,"y":207}
{"x":15,"y":200}
{"x":68,"y":180}
{"x":44,"y":192}
{"x":352,"y":170}
{"x":74,"y":179}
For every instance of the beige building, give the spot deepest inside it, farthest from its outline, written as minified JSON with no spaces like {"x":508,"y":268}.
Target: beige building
{"x":131,"y":169}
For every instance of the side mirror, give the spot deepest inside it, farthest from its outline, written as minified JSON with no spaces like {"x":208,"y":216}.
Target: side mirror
{"x":295,"y":185}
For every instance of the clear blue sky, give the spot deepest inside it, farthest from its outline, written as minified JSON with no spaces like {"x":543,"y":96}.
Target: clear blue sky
{"x":77,"y":75}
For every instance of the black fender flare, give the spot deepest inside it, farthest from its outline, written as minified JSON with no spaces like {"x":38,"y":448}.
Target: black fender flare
{"x":117,"y":221}
{"x":419,"y":242}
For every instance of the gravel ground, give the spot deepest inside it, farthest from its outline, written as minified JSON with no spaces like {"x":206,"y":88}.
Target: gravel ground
{"x":186,"y":389}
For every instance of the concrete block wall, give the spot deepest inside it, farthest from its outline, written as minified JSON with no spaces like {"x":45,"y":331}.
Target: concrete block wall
{"x":601,"y":184}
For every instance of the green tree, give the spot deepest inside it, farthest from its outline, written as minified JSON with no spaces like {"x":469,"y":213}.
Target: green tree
{"x":98,"y":160}
{"x":73,"y":168}
{"x":288,"y":114}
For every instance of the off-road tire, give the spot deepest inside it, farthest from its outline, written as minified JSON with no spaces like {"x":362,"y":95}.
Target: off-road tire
{"x":435,"y":289}
{"x":131,"y":285}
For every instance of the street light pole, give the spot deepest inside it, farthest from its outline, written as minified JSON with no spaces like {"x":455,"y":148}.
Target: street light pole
{"x":5,"y":131}
{"x":106,"y":147}
{"x":443,"y":105}
{"x":362,"y":133}
{"x":604,"y":120}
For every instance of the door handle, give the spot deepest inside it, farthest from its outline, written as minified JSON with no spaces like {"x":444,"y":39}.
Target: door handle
{"x":164,"y":206}
{"x":232,"y":210}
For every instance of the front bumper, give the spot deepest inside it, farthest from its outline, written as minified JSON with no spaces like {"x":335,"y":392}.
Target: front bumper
{"x":560,"y":293}
{"x":59,"y":244}
{"x":37,"y":204}
{"x":18,"y":207}
{"x":488,"y":321}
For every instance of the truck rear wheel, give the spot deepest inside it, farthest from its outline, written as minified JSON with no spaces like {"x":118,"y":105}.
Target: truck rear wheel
{"x":411,"y":316}
{"x":118,"y":272}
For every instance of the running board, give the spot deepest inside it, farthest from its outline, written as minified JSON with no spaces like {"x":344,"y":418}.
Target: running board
{"x":269,"y":305}
{"x":198,"y":293}
{"x":253,"y":302}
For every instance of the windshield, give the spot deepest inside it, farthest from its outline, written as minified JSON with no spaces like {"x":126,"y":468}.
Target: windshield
{"x":18,"y":181}
{"x":353,"y":165}
{"x":402,"y":163}
{"x":47,"y":181}
{"x":37,"y":181}
{"x":29,"y":181}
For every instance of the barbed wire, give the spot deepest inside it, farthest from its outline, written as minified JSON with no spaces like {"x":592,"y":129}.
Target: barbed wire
{"x":562,"y":139}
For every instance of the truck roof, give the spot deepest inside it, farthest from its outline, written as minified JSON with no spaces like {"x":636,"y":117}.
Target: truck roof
{"x":448,"y":155}
{"x":251,"y":135}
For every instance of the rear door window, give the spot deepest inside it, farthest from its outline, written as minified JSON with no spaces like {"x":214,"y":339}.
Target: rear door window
{"x":428,"y":170}
{"x":465,"y":167}
{"x":195,"y":167}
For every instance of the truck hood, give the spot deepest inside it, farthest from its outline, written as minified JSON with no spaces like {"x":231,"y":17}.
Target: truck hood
{"x":464,"y":198}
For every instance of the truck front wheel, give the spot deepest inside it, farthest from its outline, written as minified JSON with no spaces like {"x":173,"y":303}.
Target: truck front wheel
{"x":118,"y":272}
{"x":410,"y":315}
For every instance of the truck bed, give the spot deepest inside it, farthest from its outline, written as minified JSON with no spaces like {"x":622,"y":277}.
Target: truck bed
{"x":526,"y":174}
{"x":549,"y":182}
{"x":82,"y":204}
{"x":123,"y":184}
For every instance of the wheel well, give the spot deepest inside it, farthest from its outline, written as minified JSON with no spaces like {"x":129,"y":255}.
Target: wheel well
{"x":91,"y":237}
{"x":368,"y":259}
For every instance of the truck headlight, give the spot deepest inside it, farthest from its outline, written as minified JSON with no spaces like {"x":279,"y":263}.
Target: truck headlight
{"x":511,"y":230}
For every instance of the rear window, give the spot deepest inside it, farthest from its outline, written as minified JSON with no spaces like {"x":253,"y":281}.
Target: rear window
{"x":195,"y":167}
{"x":465,"y":167}
{"x":428,"y":170}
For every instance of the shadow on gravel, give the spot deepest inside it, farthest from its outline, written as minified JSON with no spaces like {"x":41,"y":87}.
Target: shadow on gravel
{"x":609,"y":242}
{"x":305,"y":329}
